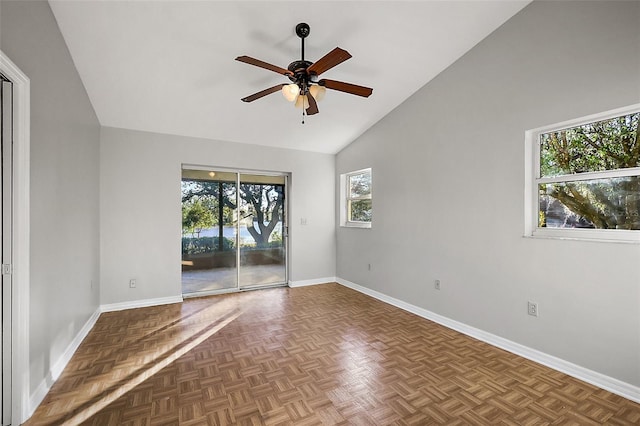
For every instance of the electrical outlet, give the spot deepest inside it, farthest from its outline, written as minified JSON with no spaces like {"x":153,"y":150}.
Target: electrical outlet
{"x":436,"y":284}
{"x":532,"y":309}
{"x":132,"y":283}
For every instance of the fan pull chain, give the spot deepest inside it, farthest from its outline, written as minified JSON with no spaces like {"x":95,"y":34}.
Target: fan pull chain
{"x":303,"y":116}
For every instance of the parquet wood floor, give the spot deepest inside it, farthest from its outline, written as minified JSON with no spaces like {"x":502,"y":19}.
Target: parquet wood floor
{"x":319,"y":355}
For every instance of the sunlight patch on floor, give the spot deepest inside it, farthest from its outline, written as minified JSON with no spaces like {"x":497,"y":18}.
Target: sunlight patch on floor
{"x":182,"y":336}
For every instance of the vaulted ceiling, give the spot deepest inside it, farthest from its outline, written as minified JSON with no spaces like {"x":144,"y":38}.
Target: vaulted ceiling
{"x":168,"y":66}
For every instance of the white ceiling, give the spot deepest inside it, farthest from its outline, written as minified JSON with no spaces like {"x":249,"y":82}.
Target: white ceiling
{"x":168,"y":66}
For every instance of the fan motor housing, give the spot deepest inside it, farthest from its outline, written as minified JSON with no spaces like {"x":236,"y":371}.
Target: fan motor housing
{"x":299,"y":70}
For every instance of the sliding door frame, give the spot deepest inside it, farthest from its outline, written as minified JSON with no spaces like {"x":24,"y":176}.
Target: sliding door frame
{"x":285,"y":225}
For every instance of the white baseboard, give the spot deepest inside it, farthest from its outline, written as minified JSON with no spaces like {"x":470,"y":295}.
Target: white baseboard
{"x":303,"y":283}
{"x":58,"y":365}
{"x":626,"y":390}
{"x":140,"y":303}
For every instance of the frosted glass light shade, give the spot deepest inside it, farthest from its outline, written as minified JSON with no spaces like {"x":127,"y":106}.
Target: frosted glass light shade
{"x":317,"y":92}
{"x":302,"y":102}
{"x":290,"y":92}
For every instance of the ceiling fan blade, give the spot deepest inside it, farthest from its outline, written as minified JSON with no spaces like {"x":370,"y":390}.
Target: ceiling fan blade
{"x":328,"y":61}
{"x":262,"y":93}
{"x":258,"y":63}
{"x":313,"y":105}
{"x":341,"y":86}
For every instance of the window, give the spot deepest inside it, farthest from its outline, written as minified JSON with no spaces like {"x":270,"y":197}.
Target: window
{"x":583,"y":178}
{"x":355,"y":199}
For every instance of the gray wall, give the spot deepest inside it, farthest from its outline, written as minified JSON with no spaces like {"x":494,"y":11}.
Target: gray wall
{"x":141,"y":212}
{"x":65,"y":136}
{"x":448,"y":188}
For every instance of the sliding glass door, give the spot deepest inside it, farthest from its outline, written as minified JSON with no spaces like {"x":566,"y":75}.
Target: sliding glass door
{"x":209,"y":258}
{"x":262,"y":247}
{"x":233,"y":231}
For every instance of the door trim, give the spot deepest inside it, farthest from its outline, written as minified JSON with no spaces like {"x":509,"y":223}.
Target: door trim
{"x":20,"y":405}
{"x":6,"y":123}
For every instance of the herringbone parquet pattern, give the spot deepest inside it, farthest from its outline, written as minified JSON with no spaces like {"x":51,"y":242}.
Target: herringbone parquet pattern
{"x":307,"y":356}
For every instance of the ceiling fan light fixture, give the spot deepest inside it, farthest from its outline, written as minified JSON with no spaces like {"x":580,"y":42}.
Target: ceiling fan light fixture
{"x":306,"y":87}
{"x":302,"y":102}
{"x":290,"y":92}
{"x":317,"y":92}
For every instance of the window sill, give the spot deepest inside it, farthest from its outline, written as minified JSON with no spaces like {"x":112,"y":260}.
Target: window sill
{"x":366,"y":225}
{"x":587,"y":235}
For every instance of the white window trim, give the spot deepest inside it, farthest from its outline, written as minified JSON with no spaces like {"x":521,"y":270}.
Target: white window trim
{"x":532,"y":179}
{"x":344,"y":191}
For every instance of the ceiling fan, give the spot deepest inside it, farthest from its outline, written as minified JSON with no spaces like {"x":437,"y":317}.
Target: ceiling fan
{"x":306,"y":88}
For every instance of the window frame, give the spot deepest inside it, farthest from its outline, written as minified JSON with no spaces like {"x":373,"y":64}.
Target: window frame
{"x":345,"y":199}
{"x":533,"y":179}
